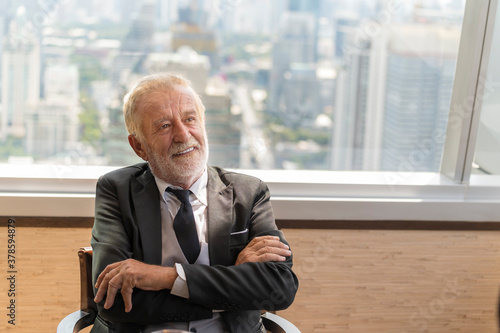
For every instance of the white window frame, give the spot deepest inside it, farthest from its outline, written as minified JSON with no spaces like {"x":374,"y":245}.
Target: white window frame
{"x":452,"y":194}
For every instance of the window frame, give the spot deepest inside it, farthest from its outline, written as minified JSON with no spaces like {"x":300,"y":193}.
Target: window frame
{"x":468,"y":89}
{"x":452,"y":194}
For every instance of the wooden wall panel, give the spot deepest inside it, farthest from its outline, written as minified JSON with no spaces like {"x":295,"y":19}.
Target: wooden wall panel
{"x":47,"y":279}
{"x":395,"y":281}
{"x":350,"y":280}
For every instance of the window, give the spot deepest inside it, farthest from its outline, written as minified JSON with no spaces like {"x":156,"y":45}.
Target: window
{"x":330,"y":85}
{"x":346,"y":108}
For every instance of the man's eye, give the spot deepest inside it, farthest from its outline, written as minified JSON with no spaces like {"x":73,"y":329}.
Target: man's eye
{"x":165,"y":126}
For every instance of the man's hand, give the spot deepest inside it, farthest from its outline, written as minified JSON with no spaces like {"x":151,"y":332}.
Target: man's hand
{"x":129,"y":274}
{"x":264,"y":249}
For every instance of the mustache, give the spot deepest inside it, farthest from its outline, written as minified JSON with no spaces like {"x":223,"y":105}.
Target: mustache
{"x":180,"y":147}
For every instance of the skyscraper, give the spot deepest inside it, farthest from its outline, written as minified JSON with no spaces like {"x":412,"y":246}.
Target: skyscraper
{"x":294,"y":48}
{"x":20,"y":75}
{"x":393,"y":99}
{"x":344,"y":22}
{"x":3,"y":19}
{"x":136,"y":44}
{"x":419,"y":84}
{"x":350,"y":112}
{"x":53,"y":127}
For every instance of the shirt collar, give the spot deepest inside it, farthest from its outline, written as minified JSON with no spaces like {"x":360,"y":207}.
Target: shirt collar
{"x":199,"y":188}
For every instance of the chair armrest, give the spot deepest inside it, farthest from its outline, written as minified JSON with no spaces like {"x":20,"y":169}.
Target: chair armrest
{"x":76,"y":321}
{"x":276,"y":323}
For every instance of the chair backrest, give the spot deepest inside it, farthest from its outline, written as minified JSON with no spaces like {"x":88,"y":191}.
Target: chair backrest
{"x":87,"y":303}
{"x":78,"y":320}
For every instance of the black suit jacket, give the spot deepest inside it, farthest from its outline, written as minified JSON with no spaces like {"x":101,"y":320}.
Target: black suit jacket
{"x":128,"y":225}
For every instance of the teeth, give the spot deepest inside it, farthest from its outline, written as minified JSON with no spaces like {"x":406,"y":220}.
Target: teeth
{"x":185,"y":151}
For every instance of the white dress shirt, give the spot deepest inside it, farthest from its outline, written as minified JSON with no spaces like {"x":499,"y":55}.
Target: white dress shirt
{"x":172,"y":255}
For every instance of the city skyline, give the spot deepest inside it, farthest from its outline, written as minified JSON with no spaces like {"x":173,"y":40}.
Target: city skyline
{"x":297,"y":56}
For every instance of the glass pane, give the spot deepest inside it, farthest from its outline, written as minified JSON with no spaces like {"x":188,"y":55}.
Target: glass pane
{"x":297,"y":84}
{"x":487,"y":154}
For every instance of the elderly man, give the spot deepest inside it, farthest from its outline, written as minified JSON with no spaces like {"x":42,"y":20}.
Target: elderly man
{"x":177,"y":243}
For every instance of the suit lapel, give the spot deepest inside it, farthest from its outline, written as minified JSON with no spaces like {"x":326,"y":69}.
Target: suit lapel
{"x":220,"y":218}
{"x":146,"y":202}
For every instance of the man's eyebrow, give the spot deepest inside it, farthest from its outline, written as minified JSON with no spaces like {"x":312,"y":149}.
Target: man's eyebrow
{"x":159,"y":121}
{"x":190,"y":111}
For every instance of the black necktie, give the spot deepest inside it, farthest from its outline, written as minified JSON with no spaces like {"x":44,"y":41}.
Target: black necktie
{"x":185,"y":226}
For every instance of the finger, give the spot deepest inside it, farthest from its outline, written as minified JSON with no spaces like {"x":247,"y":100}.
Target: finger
{"x":267,"y":257}
{"x":279,"y":244}
{"x":127,"y":298}
{"x":107,"y":276}
{"x":113,"y":288}
{"x":101,"y":291}
{"x":265,"y":254}
{"x":273,"y":257}
{"x":100,"y":278}
{"x":103,"y":274}
{"x":269,"y":243}
{"x":280,"y":251}
{"x":259,"y":239}
{"x":268,"y":237}
{"x":274,"y":250}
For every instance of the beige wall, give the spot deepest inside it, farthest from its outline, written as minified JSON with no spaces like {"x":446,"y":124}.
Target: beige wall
{"x":47,"y":279}
{"x":350,"y":280}
{"x":396,"y":281}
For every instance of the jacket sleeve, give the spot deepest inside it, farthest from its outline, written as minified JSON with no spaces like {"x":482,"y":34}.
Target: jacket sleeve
{"x":249,"y":286}
{"x":114,"y":238}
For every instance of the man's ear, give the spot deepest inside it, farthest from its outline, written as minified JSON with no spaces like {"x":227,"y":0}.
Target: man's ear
{"x":137,"y":147}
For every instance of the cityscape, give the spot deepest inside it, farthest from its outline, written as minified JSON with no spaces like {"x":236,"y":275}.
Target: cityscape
{"x":287,"y":84}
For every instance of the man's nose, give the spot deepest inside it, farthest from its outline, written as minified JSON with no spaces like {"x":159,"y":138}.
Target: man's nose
{"x":181,"y":132}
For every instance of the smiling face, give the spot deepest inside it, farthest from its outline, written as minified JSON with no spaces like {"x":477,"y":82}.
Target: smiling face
{"x":172,"y":136}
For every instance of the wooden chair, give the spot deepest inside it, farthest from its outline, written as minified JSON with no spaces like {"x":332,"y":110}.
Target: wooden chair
{"x":85,"y":317}
{"x":78,"y":320}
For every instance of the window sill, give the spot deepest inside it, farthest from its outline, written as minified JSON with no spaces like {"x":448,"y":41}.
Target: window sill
{"x":39,"y":190}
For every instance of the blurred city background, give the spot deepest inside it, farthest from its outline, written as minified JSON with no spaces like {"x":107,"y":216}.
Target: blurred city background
{"x":287,"y":84}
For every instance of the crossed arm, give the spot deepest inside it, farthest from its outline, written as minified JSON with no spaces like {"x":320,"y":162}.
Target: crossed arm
{"x":129,"y":274}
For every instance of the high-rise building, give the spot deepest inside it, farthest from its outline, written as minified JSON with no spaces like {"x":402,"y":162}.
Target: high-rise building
{"x":3,"y":20}
{"x":393,"y":99}
{"x":52,"y":128}
{"x":301,"y":95}
{"x":417,"y":100}
{"x":167,"y":12}
{"x":351,"y":106}
{"x":20,"y":75}
{"x":245,"y":17}
{"x":345,"y":23}
{"x":126,"y":9}
{"x":61,"y":83}
{"x":185,"y":61}
{"x":136,"y":45}
{"x":293,"y":48}
{"x":312,"y":7}
{"x":195,"y":30}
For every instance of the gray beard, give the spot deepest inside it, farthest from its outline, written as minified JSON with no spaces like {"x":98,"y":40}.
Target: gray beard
{"x":177,"y":173}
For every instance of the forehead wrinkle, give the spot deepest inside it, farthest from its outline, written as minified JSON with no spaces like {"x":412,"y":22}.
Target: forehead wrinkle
{"x":185,"y":99}
{"x":178,"y":99}
{"x":153,"y":101}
